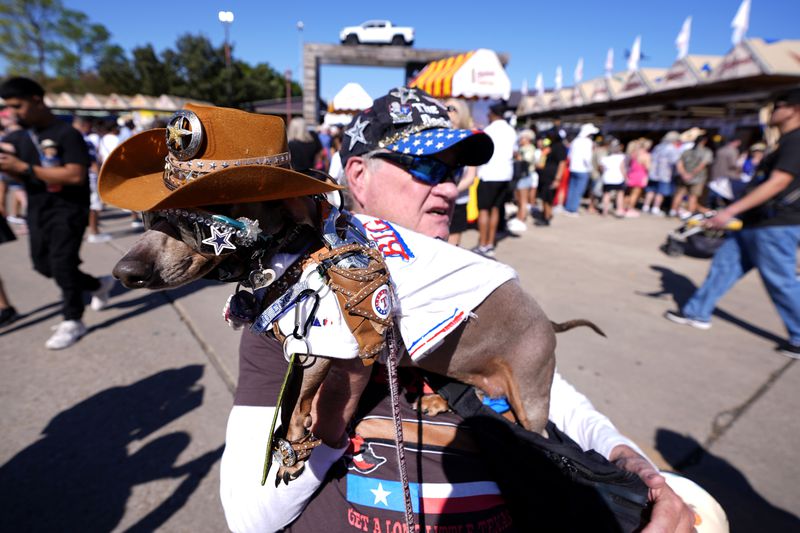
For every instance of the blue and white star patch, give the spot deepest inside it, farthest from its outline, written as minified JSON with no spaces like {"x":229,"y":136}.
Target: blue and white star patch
{"x":429,"y":142}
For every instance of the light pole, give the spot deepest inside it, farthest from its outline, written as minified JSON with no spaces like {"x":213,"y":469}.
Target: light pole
{"x":300,"y":27}
{"x":226,"y":18}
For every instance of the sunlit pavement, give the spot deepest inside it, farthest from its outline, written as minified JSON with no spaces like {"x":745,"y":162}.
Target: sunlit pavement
{"x":125,"y":428}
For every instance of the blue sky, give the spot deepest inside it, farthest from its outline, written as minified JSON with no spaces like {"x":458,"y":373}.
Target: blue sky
{"x":539,"y":36}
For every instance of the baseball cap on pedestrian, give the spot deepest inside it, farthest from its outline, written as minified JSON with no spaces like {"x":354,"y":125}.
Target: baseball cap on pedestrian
{"x":410,"y":121}
{"x":672,"y":136}
{"x":791,"y":97}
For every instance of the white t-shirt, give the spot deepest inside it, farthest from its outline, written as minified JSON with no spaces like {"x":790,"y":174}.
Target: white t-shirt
{"x":612,"y":169}
{"x":501,"y":166}
{"x":434,"y":286}
{"x":580,"y":155}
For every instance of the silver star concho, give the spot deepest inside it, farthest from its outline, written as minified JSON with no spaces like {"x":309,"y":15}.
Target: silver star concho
{"x":356,"y":132}
{"x":183,"y":124}
{"x":219,"y":240}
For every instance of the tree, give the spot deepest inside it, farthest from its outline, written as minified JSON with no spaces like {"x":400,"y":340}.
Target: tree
{"x":28,"y":31}
{"x":80,"y":41}
{"x":150,"y":72}
{"x":116,"y":71}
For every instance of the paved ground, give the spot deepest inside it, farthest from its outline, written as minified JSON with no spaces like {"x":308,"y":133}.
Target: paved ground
{"x":124,"y":430}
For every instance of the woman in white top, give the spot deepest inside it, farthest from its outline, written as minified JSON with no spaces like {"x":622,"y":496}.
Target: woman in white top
{"x":614,"y":177}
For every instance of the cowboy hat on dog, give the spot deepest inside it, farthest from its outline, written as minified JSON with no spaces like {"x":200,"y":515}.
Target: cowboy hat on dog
{"x":205,"y":156}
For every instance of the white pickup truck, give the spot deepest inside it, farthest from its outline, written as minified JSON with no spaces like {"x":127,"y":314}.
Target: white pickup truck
{"x":377,"y":32}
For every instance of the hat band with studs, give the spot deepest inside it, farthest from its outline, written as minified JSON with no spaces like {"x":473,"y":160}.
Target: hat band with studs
{"x":178,"y":173}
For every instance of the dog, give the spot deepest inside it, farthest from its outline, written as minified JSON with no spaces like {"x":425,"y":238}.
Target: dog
{"x":506,"y":349}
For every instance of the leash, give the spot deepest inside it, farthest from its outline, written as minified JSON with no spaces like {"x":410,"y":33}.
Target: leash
{"x":391,"y":370}
{"x":268,"y":458}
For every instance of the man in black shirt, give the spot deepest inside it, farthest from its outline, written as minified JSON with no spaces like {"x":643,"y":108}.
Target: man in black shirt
{"x":769,"y":239}
{"x":51,"y":158}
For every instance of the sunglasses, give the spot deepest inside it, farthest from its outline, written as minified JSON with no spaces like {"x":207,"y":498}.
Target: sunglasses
{"x":205,"y":232}
{"x":428,"y":170}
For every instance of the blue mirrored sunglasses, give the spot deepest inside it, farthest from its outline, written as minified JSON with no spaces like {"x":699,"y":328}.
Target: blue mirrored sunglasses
{"x":425,"y":169}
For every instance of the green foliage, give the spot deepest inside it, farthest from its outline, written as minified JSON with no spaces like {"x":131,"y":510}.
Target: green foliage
{"x":66,"y":51}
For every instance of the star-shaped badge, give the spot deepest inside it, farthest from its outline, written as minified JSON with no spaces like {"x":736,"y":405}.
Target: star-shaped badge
{"x":356,"y":132}
{"x":176,"y":133}
{"x":405,"y":94}
{"x":220,"y":240}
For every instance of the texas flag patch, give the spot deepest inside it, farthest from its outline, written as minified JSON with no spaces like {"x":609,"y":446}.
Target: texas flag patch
{"x":432,"y":498}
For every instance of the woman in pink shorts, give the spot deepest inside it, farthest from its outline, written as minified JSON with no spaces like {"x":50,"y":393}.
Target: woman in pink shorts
{"x":638,"y":168}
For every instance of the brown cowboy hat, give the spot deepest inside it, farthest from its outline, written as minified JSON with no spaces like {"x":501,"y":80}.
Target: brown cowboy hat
{"x":206,"y":156}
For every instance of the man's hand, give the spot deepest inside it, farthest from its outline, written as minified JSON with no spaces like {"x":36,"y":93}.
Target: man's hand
{"x":12,"y":164}
{"x":718,"y":221}
{"x":669,"y":514}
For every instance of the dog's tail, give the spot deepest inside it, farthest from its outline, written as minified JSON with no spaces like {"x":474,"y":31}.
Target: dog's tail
{"x":558,"y":327}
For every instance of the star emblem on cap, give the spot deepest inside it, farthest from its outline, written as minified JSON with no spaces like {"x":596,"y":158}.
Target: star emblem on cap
{"x":220,"y":240}
{"x":176,"y":133}
{"x":405,"y":94}
{"x":356,"y":132}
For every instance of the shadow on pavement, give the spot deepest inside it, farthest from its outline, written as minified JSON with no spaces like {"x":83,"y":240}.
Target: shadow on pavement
{"x":747,"y":510}
{"x":79,"y":475}
{"x":18,"y":324}
{"x":681,"y":288}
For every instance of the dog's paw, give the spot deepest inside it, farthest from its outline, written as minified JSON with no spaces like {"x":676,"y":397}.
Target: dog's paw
{"x":289,"y":473}
{"x":433,"y":404}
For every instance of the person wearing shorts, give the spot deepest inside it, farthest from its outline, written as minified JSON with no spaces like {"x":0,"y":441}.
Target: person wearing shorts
{"x":495,"y":177}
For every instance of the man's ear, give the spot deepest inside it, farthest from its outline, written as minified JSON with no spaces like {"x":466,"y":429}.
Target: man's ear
{"x":357,"y":175}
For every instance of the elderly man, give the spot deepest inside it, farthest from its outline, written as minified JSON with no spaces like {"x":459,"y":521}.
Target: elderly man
{"x":401,"y":161}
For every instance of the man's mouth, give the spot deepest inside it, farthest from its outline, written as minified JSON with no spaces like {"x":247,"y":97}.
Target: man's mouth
{"x":439,"y":211}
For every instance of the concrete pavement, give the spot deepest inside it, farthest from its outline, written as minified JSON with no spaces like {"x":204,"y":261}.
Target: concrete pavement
{"x":124,"y":429}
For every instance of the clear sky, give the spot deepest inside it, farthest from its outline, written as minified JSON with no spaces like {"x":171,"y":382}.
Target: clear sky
{"x":539,"y":36}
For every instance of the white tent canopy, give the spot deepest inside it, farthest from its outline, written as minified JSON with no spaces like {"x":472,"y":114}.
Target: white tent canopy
{"x":352,"y":98}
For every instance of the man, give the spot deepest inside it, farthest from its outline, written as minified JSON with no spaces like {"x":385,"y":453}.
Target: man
{"x":495,"y":175}
{"x":416,"y":192}
{"x":665,"y":156}
{"x":58,"y":202}
{"x":580,"y":167}
{"x":693,"y":173}
{"x":724,"y":171}
{"x":768,"y":241}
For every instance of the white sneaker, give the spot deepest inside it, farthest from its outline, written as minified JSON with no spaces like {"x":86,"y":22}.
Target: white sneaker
{"x":673,"y":213}
{"x":657,"y":212}
{"x":97,"y":238}
{"x":100,"y":296}
{"x":558,"y":209}
{"x":515,"y":226}
{"x":511,"y":209}
{"x":137,"y":224}
{"x":11,"y":219}
{"x":66,"y":334}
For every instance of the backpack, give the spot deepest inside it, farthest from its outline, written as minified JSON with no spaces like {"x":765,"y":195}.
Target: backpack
{"x":550,"y":483}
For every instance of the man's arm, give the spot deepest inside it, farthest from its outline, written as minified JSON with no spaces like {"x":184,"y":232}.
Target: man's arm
{"x":68,"y":174}
{"x":778,"y":180}
{"x":248,"y":505}
{"x":574,"y":414}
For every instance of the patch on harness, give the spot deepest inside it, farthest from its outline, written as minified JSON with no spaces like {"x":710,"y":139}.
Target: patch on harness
{"x":382,"y":301}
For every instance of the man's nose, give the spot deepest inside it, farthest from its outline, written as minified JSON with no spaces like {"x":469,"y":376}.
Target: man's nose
{"x":446,"y":189}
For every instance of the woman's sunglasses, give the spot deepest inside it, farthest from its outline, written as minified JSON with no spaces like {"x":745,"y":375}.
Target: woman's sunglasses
{"x":425,"y":169}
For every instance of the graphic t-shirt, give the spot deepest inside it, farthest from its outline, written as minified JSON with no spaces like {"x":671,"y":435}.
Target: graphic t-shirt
{"x":71,"y":149}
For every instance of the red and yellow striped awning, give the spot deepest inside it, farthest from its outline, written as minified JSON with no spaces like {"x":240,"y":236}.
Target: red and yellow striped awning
{"x":437,"y":77}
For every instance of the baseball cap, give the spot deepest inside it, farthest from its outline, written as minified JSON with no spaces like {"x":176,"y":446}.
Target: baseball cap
{"x":410,"y":121}
{"x":672,"y":136}
{"x":790,"y":97}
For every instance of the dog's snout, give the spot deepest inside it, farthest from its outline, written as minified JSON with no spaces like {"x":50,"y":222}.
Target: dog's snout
{"x":133,"y":274}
